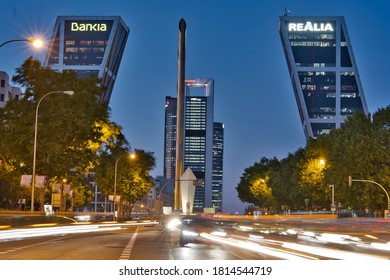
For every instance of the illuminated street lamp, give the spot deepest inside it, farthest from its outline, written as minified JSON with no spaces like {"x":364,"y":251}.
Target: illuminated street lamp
{"x":36,"y":42}
{"x":132,"y":156}
{"x":68,"y":92}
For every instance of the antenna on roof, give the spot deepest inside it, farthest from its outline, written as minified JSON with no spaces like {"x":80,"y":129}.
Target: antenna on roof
{"x":286,"y":11}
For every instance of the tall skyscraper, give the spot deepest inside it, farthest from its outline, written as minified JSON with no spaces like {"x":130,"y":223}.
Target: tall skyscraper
{"x":203,"y":142}
{"x":88,"y":45}
{"x":170,"y":137}
{"x":217,"y":184}
{"x":170,"y":143}
{"x":323,"y":71}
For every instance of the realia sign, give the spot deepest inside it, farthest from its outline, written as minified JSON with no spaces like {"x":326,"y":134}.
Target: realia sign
{"x":309,"y":26}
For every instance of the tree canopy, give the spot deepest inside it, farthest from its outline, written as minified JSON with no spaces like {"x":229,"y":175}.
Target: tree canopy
{"x":360,"y":148}
{"x":74,"y":133}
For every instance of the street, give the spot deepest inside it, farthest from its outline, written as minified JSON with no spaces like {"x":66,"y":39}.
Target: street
{"x":210,"y":240}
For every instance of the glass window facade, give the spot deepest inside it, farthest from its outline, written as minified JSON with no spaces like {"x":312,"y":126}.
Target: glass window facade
{"x":314,"y":49}
{"x":195,"y":142}
{"x":203,"y":142}
{"x":322,"y":68}
{"x":88,"y":45}
{"x":322,"y":128}
{"x":350,"y":96}
{"x":85,"y":41}
{"x":319,"y":91}
{"x":170,"y":137}
{"x":217,"y":166}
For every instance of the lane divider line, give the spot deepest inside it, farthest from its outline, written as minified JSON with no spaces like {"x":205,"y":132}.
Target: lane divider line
{"x":129,"y":247}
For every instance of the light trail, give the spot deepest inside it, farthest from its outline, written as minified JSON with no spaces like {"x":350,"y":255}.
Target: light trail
{"x":256,"y":248}
{"x":18,"y":234}
{"x":301,"y":251}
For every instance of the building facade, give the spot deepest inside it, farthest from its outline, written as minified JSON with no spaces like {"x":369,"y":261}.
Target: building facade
{"x":7,"y":92}
{"x":170,"y":137}
{"x":217,"y":182}
{"x":203,"y":142}
{"x":169,"y":149}
{"x":323,"y":71}
{"x":89,"y":45}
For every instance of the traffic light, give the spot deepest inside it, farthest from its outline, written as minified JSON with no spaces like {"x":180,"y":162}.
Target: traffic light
{"x":349,"y":181}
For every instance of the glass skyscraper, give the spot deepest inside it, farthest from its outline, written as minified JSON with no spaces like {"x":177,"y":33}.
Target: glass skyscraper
{"x":203,"y":142}
{"x":88,"y":45}
{"x":170,"y":137}
{"x":323,"y":71}
{"x":217,"y":183}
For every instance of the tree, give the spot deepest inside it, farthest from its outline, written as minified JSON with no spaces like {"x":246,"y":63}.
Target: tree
{"x":356,"y":150}
{"x":381,"y":123}
{"x":133,"y":179}
{"x":253,"y":186}
{"x":284,"y":181}
{"x":360,"y":148}
{"x":71,"y":130}
{"x":312,"y":172}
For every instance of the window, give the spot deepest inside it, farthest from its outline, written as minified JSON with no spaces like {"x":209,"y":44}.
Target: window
{"x":2,"y":83}
{"x":1,"y":97}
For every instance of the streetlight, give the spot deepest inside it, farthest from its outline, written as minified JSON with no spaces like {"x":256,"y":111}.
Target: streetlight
{"x":350,"y":180}
{"x":333,"y":206}
{"x":36,"y":42}
{"x":68,"y":92}
{"x":132,"y":156}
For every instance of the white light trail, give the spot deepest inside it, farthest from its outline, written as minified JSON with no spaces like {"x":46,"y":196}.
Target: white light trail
{"x":17,"y":234}
{"x":255,"y":247}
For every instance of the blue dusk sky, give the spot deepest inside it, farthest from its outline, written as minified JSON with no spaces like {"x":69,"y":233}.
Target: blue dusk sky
{"x":234,"y":42}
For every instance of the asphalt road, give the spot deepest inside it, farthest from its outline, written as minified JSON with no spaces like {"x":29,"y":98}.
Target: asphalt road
{"x":211,"y":240}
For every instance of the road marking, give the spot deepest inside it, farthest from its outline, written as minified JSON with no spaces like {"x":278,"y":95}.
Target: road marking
{"x":370,"y":236}
{"x":127,"y":251}
{"x":15,"y":249}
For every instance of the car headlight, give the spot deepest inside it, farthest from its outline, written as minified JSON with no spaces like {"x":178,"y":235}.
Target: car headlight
{"x":173,"y":223}
{"x":219,"y":233}
{"x":189,"y":233}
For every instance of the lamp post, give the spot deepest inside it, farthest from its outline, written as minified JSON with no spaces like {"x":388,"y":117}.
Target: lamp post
{"x":68,"y":92}
{"x":333,"y":206}
{"x":350,"y":180}
{"x":1,"y":160}
{"x":36,"y":42}
{"x":132,"y":156}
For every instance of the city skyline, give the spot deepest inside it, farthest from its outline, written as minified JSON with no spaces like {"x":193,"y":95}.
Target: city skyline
{"x":236,"y":43}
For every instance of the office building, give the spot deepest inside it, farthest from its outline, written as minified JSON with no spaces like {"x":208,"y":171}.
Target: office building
{"x":169,"y":148}
{"x":7,"y":92}
{"x":323,"y":71}
{"x":203,"y":142}
{"x":217,"y":183}
{"x":170,"y":137}
{"x":88,"y":45}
